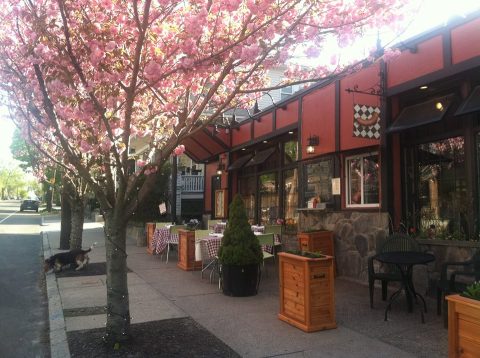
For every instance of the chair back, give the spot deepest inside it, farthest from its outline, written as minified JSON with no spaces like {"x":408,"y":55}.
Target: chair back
{"x":200,"y":234}
{"x":161,"y":224}
{"x":174,"y":229}
{"x":273,"y":229}
{"x":265,"y":239}
{"x":211,"y":224}
{"x":399,"y":242}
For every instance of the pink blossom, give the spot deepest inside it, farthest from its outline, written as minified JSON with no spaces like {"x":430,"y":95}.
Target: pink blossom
{"x":179,"y":150}
{"x":110,"y":46}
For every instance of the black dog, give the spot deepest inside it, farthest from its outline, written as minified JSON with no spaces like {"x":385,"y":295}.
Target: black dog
{"x":76,"y":257}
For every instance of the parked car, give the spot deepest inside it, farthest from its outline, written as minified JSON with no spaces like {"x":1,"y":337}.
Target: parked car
{"x":29,"y":204}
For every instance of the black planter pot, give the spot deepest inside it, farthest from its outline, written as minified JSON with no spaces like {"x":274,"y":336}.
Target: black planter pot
{"x":240,"y":281}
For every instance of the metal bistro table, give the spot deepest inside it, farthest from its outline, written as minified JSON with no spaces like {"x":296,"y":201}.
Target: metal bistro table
{"x":405,"y":260}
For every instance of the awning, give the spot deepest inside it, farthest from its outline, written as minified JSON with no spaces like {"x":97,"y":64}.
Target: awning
{"x":471,"y":104}
{"x":422,"y":113}
{"x":240,"y":162}
{"x":260,"y":157}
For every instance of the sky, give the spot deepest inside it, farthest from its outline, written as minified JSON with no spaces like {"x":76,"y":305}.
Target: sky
{"x":432,"y":13}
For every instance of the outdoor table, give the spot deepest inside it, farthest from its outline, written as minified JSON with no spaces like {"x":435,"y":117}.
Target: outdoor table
{"x":405,"y":260}
{"x":212,"y":242}
{"x":161,"y":238}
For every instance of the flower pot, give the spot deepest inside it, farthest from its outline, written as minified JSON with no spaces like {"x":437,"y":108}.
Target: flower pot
{"x":186,"y":251}
{"x":240,"y":281}
{"x":307,"y":298}
{"x":463,"y":326}
{"x":317,"y":241}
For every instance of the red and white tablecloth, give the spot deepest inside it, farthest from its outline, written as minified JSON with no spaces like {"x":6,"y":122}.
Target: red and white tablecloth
{"x":213,"y":244}
{"x":161,"y":238}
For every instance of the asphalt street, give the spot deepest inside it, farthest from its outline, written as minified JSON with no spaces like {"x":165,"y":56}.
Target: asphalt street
{"x":23,"y":300}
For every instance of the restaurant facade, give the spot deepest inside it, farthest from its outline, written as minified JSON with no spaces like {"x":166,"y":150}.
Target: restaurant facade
{"x":394,"y":146}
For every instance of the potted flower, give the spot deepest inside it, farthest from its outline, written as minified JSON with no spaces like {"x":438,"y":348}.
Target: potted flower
{"x":307,"y":298}
{"x":240,"y":254}
{"x":464,"y":322}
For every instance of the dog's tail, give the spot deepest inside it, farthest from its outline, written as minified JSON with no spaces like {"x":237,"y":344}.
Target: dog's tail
{"x":90,"y":248}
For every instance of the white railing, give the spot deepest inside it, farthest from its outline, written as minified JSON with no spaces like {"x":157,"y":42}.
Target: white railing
{"x":192,"y":183}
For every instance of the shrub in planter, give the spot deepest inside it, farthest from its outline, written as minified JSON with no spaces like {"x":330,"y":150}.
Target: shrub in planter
{"x":240,"y":253}
{"x":464,"y":322}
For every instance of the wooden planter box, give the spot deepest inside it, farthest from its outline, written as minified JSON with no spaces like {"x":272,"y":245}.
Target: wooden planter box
{"x":316,"y":241}
{"x":307,"y":299}
{"x":186,"y":251}
{"x":463,"y":327}
{"x":150,"y":231}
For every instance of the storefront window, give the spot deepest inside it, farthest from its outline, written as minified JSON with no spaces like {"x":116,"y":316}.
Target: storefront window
{"x":318,"y":186}
{"x":442,"y":190}
{"x":268,"y":191}
{"x":247,"y":191}
{"x":290,"y":199}
{"x":291,"y":152}
{"x":362,"y":180}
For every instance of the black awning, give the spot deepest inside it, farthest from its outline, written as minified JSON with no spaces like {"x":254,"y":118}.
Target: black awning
{"x":260,"y":157}
{"x":422,"y":113}
{"x":240,"y":162}
{"x":471,"y":104}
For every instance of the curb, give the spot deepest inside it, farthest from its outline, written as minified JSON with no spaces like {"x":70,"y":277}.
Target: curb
{"x":58,"y":333}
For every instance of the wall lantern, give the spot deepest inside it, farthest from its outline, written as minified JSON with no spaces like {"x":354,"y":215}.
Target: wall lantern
{"x":220,"y":167}
{"x":312,"y":141}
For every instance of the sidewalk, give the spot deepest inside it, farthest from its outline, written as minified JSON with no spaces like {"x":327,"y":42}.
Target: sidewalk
{"x":160,"y":291}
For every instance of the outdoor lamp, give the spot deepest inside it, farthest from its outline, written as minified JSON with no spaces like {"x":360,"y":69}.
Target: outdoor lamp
{"x":312,"y":141}
{"x":220,"y":167}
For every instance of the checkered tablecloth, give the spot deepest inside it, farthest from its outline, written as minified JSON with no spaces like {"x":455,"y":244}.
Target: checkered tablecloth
{"x":161,"y":238}
{"x":219,"y":228}
{"x":213,"y":244}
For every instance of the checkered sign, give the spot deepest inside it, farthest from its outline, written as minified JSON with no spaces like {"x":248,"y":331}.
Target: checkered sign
{"x":364,"y":123}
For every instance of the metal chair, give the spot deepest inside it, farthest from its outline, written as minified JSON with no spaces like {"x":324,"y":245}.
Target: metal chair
{"x":276,"y":230}
{"x":266,"y":239}
{"x":455,"y":276}
{"x":395,"y":242}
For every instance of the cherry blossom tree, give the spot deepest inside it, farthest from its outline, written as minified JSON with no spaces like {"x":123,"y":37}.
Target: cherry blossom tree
{"x":86,"y":76}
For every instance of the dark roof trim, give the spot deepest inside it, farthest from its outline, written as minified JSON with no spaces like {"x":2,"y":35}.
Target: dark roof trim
{"x":471,"y":104}
{"x":422,"y":113}
{"x":240,"y":162}
{"x":261,"y":157}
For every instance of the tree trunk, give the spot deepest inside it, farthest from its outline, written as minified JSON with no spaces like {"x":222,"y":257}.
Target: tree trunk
{"x":66,"y":222}
{"x":78,"y":207}
{"x":118,"y":309}
{"x":48,"y":199}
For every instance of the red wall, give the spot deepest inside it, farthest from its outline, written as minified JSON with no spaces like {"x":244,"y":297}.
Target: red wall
{"x":318,"y":117}
{"x":264,"y":126}
{"x":287,"y":116}
{"x":365,"y":79}
{"x":427,"y":58}
{"x":465,"y":42}
{"x":242,"y":135}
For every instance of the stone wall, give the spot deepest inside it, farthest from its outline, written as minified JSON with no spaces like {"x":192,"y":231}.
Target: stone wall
{"x":357,"y":236}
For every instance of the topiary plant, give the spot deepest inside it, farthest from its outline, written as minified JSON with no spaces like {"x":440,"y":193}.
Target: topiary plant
{"x":239,"y":246}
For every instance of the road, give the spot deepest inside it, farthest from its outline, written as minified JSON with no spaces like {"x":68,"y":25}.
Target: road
{"x":23,"y":301}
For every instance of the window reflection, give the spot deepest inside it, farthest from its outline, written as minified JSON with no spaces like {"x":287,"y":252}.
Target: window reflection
{"x":290,"y":198}
{"x":247,"y":191}
{"x":362,"y":180}
{"x":319,"y":181}
{"x":268,"y":191}
{"x":442,"y":190}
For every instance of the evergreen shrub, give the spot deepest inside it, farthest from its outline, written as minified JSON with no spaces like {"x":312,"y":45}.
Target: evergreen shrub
{"x":239,"y":246}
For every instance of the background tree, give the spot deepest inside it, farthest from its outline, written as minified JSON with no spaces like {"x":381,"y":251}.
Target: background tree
{"x":84,"y":77}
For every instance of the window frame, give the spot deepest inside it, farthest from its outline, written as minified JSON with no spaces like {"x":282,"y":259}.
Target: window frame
{"x":348,"y":203}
